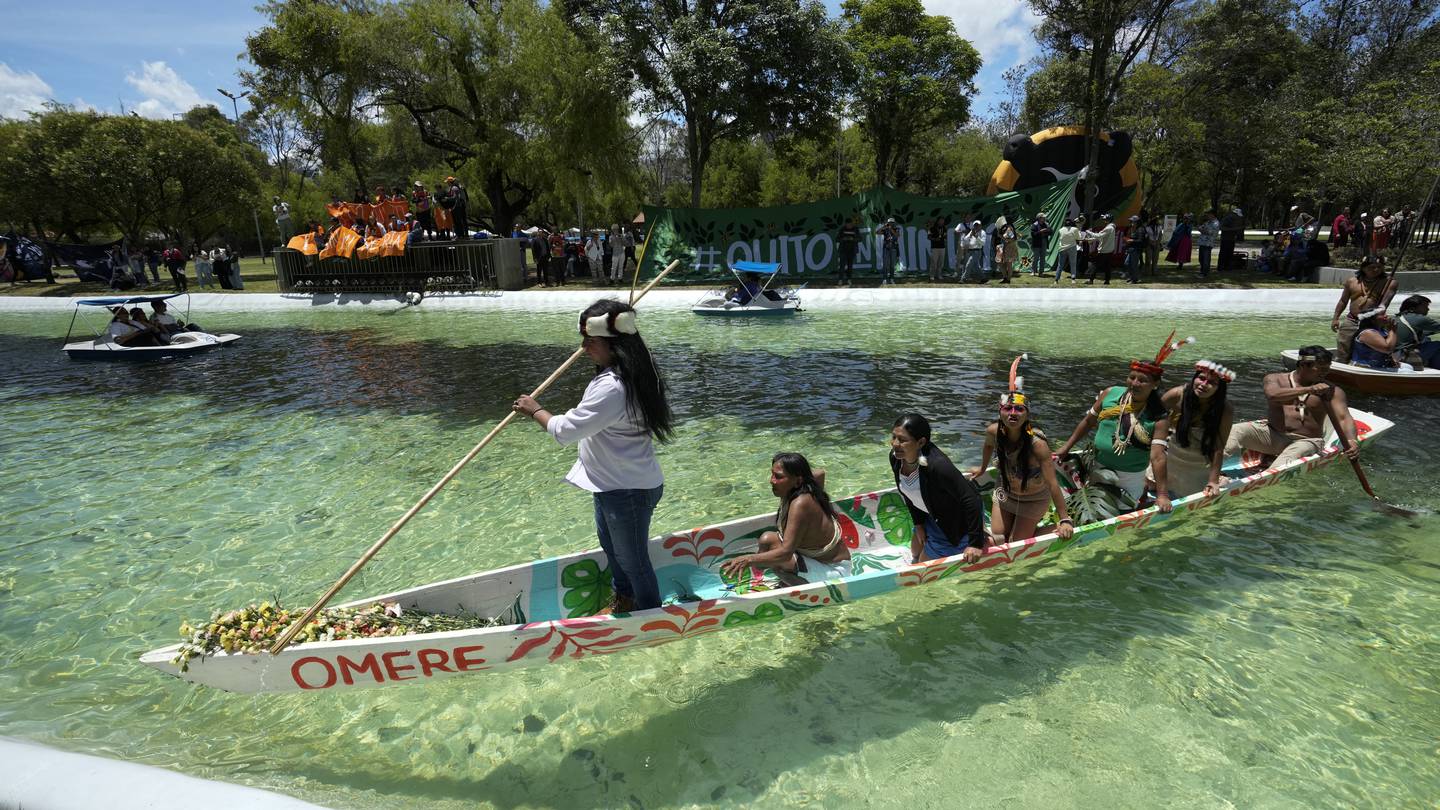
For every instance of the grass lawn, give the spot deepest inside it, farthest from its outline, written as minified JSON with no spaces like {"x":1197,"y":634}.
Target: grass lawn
{"x":260,"y":278}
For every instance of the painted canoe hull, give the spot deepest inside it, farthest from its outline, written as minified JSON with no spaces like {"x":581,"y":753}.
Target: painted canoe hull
{"x":551,"y":602}
{"x":109,"y":352}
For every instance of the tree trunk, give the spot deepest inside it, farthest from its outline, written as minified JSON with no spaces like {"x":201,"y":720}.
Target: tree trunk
{"x":692,"y":154}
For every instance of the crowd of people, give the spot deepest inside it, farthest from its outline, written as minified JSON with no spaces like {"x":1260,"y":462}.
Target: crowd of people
{"x":1097,"y":249}
{"x":219,"y":266}
{"x":1152,"y":445}
{"x":605,"y":255}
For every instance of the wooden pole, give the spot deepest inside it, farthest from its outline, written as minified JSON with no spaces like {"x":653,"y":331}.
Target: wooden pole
{"x":294,"y":629}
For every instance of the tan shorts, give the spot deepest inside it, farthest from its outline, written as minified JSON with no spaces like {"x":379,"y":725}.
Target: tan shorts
{"x":1032,"y":506}
{"x":1260,"y":437}
{"x":1345,"y":338}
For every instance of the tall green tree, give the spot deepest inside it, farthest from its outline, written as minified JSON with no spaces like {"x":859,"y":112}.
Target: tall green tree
{"x":725,"y":70}
{"x":915,"y":75}
{"x":1108,"y":36}
{"x":506,"y":95}
{"x":310,"y":61}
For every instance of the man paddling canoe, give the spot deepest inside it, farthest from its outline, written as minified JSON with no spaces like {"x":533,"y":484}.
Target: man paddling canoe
{"x":1298,"y":404}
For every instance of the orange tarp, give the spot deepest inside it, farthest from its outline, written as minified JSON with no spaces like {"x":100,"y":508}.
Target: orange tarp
{"x":342,"y":243}
{"x":305,"y":243}
{"x":393,"y":243}
{"x":444,"y":219}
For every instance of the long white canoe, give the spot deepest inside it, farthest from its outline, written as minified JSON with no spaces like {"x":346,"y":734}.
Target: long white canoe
{"x":549,"y":605}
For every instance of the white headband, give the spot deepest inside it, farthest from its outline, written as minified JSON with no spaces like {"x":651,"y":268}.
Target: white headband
{"x":613,"y":325}
{"x":1222,"y":372}
{"x":1370,"y":313}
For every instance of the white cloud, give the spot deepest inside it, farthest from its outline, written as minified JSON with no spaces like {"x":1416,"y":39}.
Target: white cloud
{"x":21,"y":93}
{"x":1001,"y":30}
{"x":165,"y":92}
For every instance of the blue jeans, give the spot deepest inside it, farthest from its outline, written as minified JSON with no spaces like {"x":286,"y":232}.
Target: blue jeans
{"x":622,"y":519}
{"x":890,"y":257}
{"x":1205,"y":260}
{"x":1067,"y":257}
{"x":1038,"y":252}
{"x":972,"y":267}
{"x":937,"y":545}
{"x":1132,"y":264}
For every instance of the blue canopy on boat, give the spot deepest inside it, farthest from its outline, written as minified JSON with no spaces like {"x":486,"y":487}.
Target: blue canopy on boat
{"x":768,"y":268}
{"x":134,"y":299}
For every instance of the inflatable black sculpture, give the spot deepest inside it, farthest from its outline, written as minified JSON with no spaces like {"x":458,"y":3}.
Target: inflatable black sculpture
{"x":1059,"y":153}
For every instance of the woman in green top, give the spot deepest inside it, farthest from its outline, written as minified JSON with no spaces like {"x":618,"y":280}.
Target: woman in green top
{"x":1124,"y":418}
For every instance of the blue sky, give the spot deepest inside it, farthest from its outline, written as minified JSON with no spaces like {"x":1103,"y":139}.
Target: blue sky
{"x":170,"y":56}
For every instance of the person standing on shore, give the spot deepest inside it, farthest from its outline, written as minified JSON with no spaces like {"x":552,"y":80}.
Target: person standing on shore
{"x":1232,"y":229}
{"x":1104,"y":258}
{"x":849,"y":242}
{"x":936,"y":235}
{"x":1069,"y":250}
{"x":889,"y":251}
{"x":622,"y":414}
{"x":1340,"y":229}
{"x":1040,"y":232}
{"x":1179,"y":243}
{"x":1209,"y":230}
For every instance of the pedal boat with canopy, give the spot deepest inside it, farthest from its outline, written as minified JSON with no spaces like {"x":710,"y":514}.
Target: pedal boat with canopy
{"x":767,"y":301}
{"x":101,"y":347}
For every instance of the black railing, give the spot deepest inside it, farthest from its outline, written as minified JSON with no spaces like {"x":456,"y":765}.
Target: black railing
{"x":463,"y":266}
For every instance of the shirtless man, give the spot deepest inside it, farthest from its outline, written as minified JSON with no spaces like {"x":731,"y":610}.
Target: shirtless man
{"x":1299,"y":401}
{"x":1368,"y":289}
{"x":808,"y":546}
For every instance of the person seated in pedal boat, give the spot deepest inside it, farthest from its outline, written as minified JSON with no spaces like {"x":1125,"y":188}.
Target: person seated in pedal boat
{"x":122,"y":332}
{"x":167,"y":323}
{"x":746,"y":292}
{"x":1298,"y":403}
{"x":944,"y":505}
{"x":1414,"y":326}
{"x":623,"y":412}
{"x":139,"y":321}
{"x":807,"y":545}
{"x":1124,"y":417}
{"x":1187,"y":449}
{"x":1375,"y":341}
{"x":1027,"y":484}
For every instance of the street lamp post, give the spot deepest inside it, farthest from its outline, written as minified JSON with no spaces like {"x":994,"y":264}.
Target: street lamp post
{"x":235,"y":105}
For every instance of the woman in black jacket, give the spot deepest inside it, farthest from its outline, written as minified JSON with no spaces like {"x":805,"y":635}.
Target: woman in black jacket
{"x":945,"y":505}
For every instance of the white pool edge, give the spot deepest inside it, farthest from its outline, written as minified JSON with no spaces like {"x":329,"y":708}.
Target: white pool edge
{"x":36,"y":777}
{"x":1121,"y":299}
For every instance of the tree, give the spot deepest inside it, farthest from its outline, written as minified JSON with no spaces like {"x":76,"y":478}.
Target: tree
{"x":915,"y":75}
{"x":1155,"y":110}
{"x":506,"y":93}
{"x":725,"y":70}
{"x":310,"y":61}
{"x":1110,"y":35}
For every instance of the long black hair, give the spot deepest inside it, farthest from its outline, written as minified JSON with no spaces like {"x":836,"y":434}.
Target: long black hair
{"x":797,"y":465}
{"x":1022,"y":458}
{"x":644,"y":388}
{"x":1190,"y":406}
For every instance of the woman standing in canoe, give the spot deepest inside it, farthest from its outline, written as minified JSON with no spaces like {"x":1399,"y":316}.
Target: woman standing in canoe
{"x":621,"y":415}
{"x":1027,"y":484}
{"x":1124,"y":417}
{"x":944,"y":505}
{"x":1187,"y":450}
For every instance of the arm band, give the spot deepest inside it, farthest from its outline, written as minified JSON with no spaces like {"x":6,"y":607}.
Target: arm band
{"x":1159,"y":443}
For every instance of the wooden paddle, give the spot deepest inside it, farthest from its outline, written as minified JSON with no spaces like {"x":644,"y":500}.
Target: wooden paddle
{"x":1355,"y":463}
{"x":295,"y":628}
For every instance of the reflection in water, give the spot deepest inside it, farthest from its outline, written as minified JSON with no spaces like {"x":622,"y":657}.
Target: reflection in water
{"x":1276,"y":654}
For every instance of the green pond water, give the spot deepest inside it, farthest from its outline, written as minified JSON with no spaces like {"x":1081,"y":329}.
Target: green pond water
{"x":1279,"y":653}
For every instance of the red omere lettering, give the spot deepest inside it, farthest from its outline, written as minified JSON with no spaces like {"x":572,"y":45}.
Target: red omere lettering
{"x":468,"y":663}
{"x":310,"y":659}
{"x":367,"y":664}
{"x":427,"y":665}
{"x":394,"y":671}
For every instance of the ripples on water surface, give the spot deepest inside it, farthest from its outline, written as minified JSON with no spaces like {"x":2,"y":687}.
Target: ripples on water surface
{"x":1281,"y":654}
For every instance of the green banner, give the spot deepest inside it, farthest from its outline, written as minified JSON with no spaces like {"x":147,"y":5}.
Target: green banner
{"x":802,"y":238}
